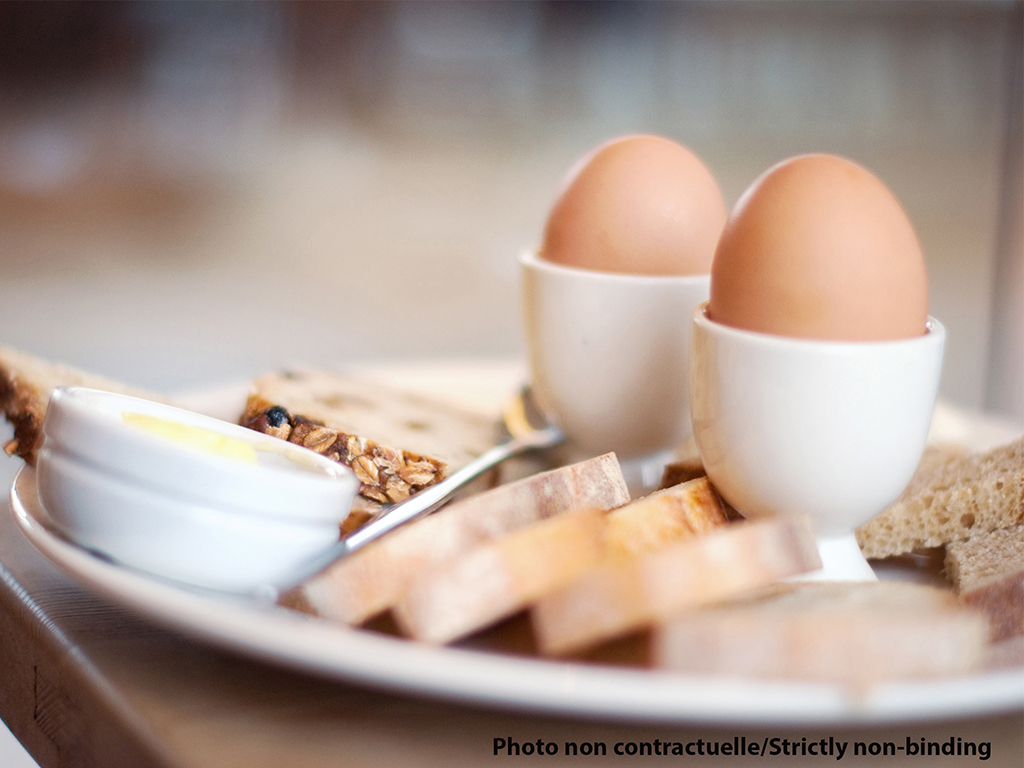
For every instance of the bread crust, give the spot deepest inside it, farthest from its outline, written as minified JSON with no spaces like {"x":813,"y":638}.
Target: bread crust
{"x":26,"y":382}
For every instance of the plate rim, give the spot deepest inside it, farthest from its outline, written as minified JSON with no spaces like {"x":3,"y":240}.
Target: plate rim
{"x":330,"y":650}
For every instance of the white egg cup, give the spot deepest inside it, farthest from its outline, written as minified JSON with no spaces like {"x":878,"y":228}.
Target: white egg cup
{"x":179,"y":512}
{"x":829,"y":430}
{"x":609,"y":360}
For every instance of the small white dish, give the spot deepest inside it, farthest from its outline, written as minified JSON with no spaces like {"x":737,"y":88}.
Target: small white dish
{"x":609,"y":357}
{"x":184,"y":496}
{"x":828,"y":430}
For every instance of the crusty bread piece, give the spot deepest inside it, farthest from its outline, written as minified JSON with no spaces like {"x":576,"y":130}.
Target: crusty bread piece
{"x":621,"y":597}
{"x":26,"y":382}
{"x":988,"y":572}
{"x":853,"y":633}
{"x":396,"y":442}
{"x":496,"y":579}
{"x":664,"y":517}
{"x":371,"y":580}
{"x":948,"y":500}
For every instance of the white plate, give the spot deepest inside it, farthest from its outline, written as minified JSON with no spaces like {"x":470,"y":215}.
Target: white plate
{"x":330,"y":650}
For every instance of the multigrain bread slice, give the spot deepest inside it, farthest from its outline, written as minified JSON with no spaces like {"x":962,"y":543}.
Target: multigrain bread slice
{"x":951,"y":497}
{"x":396,"y":442}
{"x":498,"y":578}
{"x":987,"y":571}
{"x":624,"y":596}
{"x":852,"y":633}
{"x":371,"y":580}
{"x":26,"y":382}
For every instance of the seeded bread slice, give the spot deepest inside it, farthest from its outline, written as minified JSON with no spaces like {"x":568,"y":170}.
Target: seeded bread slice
{"x":951,"y":497}
{"x":25,"y":386}
{"x":988,"y":572}
{"x":397,"y":443}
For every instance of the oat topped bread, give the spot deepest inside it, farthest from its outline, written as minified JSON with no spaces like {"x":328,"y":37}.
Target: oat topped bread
{"x":952,"y":496}
{"x":25,"y":386}
{"x":397,"y":443}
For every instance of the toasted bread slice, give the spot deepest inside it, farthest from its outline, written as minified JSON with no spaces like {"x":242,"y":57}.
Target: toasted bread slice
{"x":496,"y":579}
{"x":396,"y":442}
{"x":25,"y":386}
{"x":949,"y":499}
{"x":665,"y":517}
{"x":372,"y":580}
{"x":988,"y":572}
{"x":621,"y":597}
{"x":853,"y":633}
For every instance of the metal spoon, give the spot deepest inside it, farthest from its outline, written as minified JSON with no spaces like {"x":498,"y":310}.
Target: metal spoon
{"x":529,"y":430}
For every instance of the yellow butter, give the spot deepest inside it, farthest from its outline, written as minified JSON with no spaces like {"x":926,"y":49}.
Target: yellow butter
{"x":200,"y":438}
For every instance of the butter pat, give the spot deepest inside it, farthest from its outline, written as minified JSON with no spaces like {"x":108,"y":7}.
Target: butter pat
{"x":199,"y":438}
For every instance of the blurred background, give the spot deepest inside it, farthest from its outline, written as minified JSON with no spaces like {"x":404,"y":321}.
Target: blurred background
{"x":195,"y":193}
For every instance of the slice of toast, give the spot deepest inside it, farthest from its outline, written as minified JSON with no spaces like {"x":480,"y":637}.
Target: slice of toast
{"x":371,"y":581}
{"x":396,"y":442}
{"x":618,"y":598}
{"x":26,"y":382}
{"x":664,"y":517}
{"x":496,"y":579}
{"x":852,"y":633}
{"x":951,"y":497}
{"x":987,"y":571}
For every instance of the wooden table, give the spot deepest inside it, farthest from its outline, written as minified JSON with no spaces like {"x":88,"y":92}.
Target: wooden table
{"x":85,"y":683}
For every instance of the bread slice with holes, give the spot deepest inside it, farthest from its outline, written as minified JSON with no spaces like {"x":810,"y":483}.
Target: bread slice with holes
{"x":498,"y":578}
{"x":371,"y":580}
{"x":952,"y":496}
{"x":851,"y":633}
{"x":987,"y":571}
{"x":26,"y":382}
{"x":396,"y":442}
{"x":628,"y":595}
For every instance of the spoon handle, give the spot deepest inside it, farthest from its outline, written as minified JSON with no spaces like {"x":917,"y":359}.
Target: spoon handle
{"x":429,"y":499}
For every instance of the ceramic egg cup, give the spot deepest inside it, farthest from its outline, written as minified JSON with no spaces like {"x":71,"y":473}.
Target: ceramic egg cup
{"x":178,"y":512}
{"x":609,"y":359}
{"x":828,"y":430}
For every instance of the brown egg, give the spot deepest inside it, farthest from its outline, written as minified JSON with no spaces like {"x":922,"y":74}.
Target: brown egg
{"x":642,"y":205}
{"x":819,"y":248}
